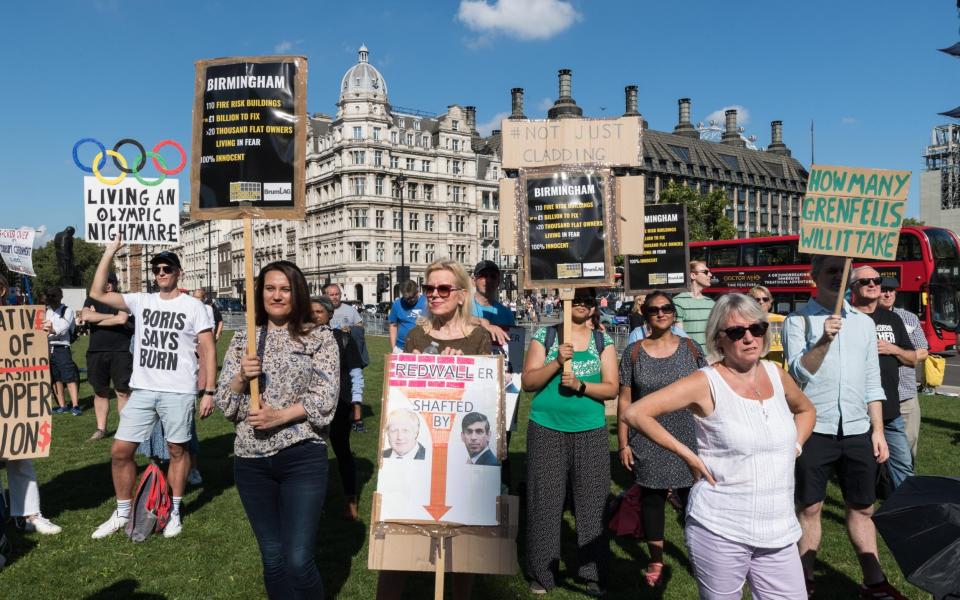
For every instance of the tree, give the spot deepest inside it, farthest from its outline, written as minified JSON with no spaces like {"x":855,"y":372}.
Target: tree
{"x":911,"y":221}
{"x":706,"y":214}
{"x":86,"y":256}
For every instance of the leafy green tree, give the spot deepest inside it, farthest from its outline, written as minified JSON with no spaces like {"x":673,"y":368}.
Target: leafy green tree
{"x":85,"y":257}
{"x":706,"y":214}
{"x":762,"y":233}
{"x":911,"y":221}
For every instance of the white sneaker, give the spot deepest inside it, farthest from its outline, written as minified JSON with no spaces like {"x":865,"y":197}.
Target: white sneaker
{"x":174,"y":526}
{"x":112,"y":525}
{"x":41,"y":525}
{"x":194,"y":478}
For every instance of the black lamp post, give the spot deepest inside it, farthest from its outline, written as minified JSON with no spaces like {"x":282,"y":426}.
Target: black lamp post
{"x":398,"y":182}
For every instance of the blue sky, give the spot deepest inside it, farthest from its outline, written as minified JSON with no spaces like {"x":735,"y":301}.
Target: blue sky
{"x":867,"y":72}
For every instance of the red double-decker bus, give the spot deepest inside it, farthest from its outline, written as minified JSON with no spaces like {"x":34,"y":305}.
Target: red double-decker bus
{"x":927,"y":265}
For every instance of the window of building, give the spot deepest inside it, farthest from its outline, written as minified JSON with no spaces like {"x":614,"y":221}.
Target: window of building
{"x":461,"y":223}
{"x":457,"y":165}
{"x":485,"y":200}
{"x":428,"y":222}
{"x":414,"y":221}
{"x":401,"y":122}
{"x":397,"y":220}
{"x":378,"y":188}
{"x":461,"y":254}
{"x":496,"y":200}
{"x":429,"y":253}
{"x":379,"y":219}
{"x":416,"y":125}
{"x":414,"y":253}
{"x":360,"y":250}
{"x":376,"y":133}
{"x":380,"y":252}
{"x":496,"y":173}
{"x":456,"y":194}
{"x":358,"y":156}
{"x":425,"y":141}
{"x":357,"y":185}
{"x":393,"y":137}
{"x":378,"y":158}
{"x":483,"y":228}
{"x":409,"y":139}
{"x":456,"y":145}
{"x":397,"y":252}
{"x":410,"y":164}
{"x":427,"y":192}
{"x":394,"y":162}
{"x":456,"y":125}
{"x":358,"y":133}
{"x":425,"y":166}
{"x":496,"y":228}
{"x":411,"y":191}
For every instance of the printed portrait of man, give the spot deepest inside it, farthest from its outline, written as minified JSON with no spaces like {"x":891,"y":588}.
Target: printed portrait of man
{"x":475,"y":433}
{"x":403,"y":427}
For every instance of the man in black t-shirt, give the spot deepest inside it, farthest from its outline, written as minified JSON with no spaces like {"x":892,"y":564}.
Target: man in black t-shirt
{"x":895,"y":348}
{"x":108,"y":356}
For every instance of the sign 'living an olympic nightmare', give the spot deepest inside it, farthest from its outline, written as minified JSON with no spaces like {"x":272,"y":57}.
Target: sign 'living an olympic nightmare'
{"x":853,"y":212}
{"x":16,"y":250}
{"x":141,"y":210}
{"x":442,"y":439}
{"x":568,"y":213}
{"x":249,"y":138}
{"x":26,"y":395}
{"x":666,"y":255}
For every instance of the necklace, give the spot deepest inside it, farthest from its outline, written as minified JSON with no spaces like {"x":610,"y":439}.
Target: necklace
{"x":755,"y":384}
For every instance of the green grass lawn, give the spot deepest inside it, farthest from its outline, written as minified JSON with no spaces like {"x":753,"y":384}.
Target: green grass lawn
{"x":216,"y":555}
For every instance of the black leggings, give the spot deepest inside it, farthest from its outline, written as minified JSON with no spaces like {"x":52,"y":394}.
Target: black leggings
{"x":340,"y":441}
{"x":652,"y":502}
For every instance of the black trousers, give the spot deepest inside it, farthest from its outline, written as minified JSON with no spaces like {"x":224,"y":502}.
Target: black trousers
{"x":340,"y":442}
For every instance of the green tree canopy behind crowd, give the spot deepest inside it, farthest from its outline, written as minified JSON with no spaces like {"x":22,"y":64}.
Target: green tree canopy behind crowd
{"x":85,"y":257}
{"x":706,"y":214}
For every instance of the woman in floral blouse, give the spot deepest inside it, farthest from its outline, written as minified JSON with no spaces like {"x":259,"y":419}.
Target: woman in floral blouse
{"x":567,"y":440}
{"x":280,"y":464}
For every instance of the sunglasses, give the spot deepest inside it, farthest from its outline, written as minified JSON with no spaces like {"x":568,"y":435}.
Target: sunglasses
{"x":442,"y":290}
{"x":165,"y":269}
{"x":762,"y":298}
{"x":667,"y":309}
{"x":868,"y":280}
{"x":735,"y":334}
{"x":703,"y":272}
{"x":584,"y":302}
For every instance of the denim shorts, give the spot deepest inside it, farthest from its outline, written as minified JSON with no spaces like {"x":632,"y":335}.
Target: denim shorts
{"x":145,"y":407}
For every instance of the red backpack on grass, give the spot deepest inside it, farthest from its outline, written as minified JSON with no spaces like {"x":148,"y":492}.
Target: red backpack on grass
{"x":151,"y":506}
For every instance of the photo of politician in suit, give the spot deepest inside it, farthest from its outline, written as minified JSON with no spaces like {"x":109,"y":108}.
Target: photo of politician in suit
{"x":403,"y":427}
{"x":475,"y":433}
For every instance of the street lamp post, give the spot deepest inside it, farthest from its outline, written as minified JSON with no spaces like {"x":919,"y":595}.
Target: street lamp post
{"x":398,"y":182}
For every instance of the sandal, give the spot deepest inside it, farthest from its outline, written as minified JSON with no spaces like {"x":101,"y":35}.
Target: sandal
{"x":654,"y":574}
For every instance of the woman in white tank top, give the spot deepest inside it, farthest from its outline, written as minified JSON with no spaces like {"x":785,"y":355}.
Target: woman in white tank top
{"x":751,"y":421}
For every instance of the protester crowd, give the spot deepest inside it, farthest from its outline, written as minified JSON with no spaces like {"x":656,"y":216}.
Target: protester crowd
{"x":734,"y":415}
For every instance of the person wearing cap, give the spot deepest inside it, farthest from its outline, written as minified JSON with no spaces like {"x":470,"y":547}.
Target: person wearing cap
{"x":171,"y":327}
{"x":494,"y":316}
{"x":59,"y":323}
{"x":894,"y":348}
{"x":108,"y":355}
{"x":909,"y":405}
{"x":410,"y":306}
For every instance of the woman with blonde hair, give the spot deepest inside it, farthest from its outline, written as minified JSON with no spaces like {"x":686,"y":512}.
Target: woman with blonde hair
{"x":750,"y":421}
{"x":449,"y":327}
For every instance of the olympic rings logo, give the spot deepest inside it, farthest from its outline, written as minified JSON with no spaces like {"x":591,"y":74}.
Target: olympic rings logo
{"x":121,"y":162}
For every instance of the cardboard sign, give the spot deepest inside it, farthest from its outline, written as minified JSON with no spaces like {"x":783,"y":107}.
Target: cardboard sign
{"x":140,"y":213}
{"x":16,"y":250}
{"x":568,"y":214}
{"x":442,"y":439}
{"x":666,"y":256}
{"x":249,"y":138}
{"x":26,"y":395}
{"x":541,"y":143}
{"x":853,"y":212}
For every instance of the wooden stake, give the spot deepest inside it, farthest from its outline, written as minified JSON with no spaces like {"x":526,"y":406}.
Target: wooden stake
{"x":843,"y":286}
{"x":566,"y":294}
{"x":438,"y":570}
{"x":250,"y":295}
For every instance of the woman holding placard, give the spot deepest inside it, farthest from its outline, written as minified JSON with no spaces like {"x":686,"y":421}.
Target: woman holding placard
{"x":751,"y":421}
{"x":567,"y":440}
{"x":280,"y":463}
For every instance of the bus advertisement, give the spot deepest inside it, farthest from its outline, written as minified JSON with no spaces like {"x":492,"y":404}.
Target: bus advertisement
{"x":927,"y":265}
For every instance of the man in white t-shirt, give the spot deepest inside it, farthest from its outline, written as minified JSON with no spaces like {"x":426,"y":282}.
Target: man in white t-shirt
{"x":171,"y":328}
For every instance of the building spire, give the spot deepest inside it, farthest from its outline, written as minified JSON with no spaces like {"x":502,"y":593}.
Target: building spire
{"x":364,"y":53}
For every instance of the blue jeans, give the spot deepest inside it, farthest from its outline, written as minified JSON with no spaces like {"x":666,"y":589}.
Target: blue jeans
{"x":900,"y":463}
{"x":283,"y":496}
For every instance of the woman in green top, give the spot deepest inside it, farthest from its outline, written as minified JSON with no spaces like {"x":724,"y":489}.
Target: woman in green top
{"x":567,"y":439}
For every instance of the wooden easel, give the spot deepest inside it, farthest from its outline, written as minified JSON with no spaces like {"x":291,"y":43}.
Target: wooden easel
{"x":250,"y":300}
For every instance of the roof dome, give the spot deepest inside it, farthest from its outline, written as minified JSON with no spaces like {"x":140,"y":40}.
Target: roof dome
{"x":363,"y":78}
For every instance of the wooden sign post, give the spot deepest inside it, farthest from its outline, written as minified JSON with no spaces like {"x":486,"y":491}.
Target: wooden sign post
{"x":566,"y":296}
{"x":249,"y":150}
{"x":854,"y":213}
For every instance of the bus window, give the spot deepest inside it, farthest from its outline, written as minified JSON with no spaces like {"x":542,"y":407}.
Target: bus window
{"x":749,"y":255}
{"x":774,"y":254}
{"x":721,"y":256}
{"x":909,"y":248}
{"x":698,"y":253}
{"x":910,"y":302}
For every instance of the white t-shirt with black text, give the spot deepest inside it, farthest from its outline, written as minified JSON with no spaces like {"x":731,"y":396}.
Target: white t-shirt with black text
{"x":165,"y":344}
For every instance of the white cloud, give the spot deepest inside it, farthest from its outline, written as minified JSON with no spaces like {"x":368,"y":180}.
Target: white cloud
{"x":41,"y":237}
{"x":545,"y":104}
{"x":521,"y":19}
{"x":283,"y":47}
{"x":849,"y":120}
{"x":743,"y":116}
{"x":493,"y":123}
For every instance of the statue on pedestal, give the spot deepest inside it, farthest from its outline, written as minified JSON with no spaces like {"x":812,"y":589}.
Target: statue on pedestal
{"x":63,"y":242}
